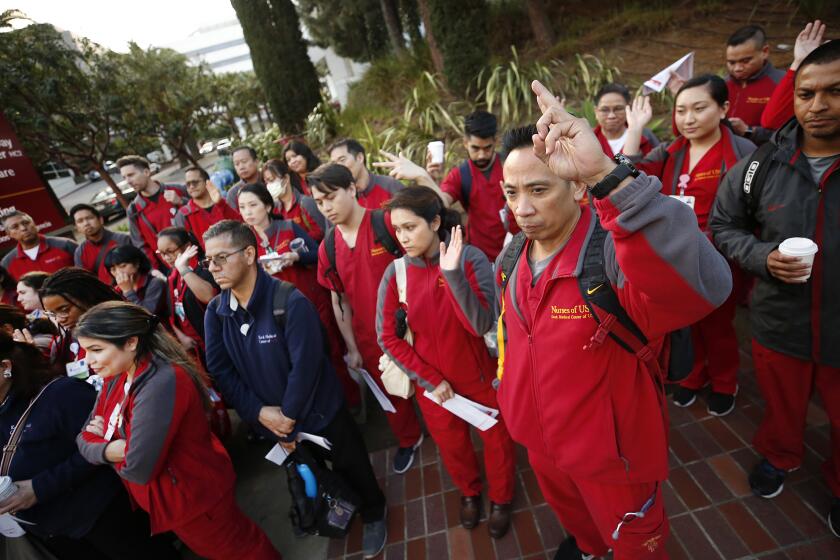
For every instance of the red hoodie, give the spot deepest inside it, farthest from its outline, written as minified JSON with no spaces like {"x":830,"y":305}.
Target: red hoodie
{"x":448,"y":313}
{"x":596,"y":413}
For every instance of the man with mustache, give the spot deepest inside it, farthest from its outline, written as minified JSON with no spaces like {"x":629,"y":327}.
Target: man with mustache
{"x":795,"y":307}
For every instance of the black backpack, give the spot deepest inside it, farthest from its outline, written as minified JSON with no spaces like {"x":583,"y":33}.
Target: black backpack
{"x":380,"y":233}
{"x":612,"y":318}
{"x":331,"y":511}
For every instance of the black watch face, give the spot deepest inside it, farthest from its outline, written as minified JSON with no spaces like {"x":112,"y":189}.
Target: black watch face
{"x":621,"y":159}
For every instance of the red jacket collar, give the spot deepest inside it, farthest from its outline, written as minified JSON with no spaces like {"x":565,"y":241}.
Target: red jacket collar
{"x":42,"y":247}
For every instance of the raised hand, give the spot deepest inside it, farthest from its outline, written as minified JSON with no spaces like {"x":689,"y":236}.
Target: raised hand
{"x":566,"y":143}
{"x":450,"y":258}
{"x":639,"y":113}
{"x":172,"y":197}
{"x":808,"y":39}
{"x":182,"y":263}
{"x":125,"y":280}
{"x":213,"y":191}
{"x":400,"y":167}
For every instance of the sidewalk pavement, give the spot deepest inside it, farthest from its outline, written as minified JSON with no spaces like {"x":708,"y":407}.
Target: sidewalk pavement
{"x":712,"y":512}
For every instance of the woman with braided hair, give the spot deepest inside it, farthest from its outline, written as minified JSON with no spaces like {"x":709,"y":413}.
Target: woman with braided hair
{"x":149,"y":424}
{"x":65,"y":296}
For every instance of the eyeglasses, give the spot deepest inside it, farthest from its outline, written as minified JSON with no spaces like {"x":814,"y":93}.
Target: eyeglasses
{"x":172,"y":253}
{"x":196,"y":183}
{"x":61,"y":313}
{"x":617,"y":111}
{"x":220,"y":260}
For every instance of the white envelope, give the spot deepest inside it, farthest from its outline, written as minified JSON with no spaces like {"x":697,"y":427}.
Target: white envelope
{"x":278,"y":454}
{"x":684,"y":68}
{"x":478,"y":415}
{"x":380,"y":395}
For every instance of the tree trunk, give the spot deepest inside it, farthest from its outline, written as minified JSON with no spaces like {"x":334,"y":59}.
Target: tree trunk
{"x":541,"y":27}
{"x":392,"y":23}
{"x":434,"y":51}
{"x":105,"y":176}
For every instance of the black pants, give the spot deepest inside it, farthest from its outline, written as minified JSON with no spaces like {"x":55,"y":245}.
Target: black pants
{"x":349,"y":458}
{"x":120,"y":533}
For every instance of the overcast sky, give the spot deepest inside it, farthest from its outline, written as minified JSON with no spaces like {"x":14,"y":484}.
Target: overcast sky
{"x":113,"y":23}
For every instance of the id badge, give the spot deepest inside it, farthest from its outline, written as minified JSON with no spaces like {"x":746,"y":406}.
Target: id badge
{"x":78,"y":369}
{"x":340,"y":514}
{"x":689,"y":200}
{"x":179,"y":311}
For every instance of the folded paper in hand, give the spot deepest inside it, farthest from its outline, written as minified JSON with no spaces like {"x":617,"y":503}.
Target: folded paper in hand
{"x":278,"y":454}
{"x":380,"y":395}
{"x":478,"y":415}
{"x":684,"y":68}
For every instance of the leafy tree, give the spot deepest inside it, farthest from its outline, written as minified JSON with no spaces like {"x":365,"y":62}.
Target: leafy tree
{"x":463,"y":45}
{"x":355,"y":29}
{"x":62,"y":98}
{"x":280,"y":57}
{"x":167,"y":97}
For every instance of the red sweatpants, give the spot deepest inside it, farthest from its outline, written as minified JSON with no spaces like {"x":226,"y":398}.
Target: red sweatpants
{"x":715,"y":351}
{"x":224,"y":532}
{"x":591,"y":511}
{"x":452,"y":436}
{"x":404,"y":422}
{"x":786,"y":384}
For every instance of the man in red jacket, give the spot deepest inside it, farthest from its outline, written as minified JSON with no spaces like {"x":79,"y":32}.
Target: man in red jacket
{"x":590,"y":413}
{"x":34,"y":251}
{"x":751,"y":82}
{"x":205,"y":207}
{"x":152,"y":209}
{"x":372,"y":190}
{"x":90,"y":255}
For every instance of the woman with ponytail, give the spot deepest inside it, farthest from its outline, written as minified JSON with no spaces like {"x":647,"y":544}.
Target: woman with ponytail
{"x":691,"y":169}
{"x":149,"y":424}
{"x":448,"y":307}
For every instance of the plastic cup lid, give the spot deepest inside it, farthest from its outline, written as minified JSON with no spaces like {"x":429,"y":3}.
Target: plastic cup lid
{"x":798,"y":246}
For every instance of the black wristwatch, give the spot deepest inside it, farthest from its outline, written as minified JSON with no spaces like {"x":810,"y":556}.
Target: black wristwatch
{"x":606,"y":185}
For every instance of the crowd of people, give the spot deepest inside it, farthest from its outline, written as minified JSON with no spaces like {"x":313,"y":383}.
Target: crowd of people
{"x":545,"y":276}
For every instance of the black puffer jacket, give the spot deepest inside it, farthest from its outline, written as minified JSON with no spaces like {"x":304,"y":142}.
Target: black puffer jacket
{"x":801,"y":320}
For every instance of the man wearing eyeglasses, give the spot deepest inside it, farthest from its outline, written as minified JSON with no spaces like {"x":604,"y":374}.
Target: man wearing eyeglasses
{"x":205,"y":207}
{"x":281,"y":381}
{"x":610,"y":104}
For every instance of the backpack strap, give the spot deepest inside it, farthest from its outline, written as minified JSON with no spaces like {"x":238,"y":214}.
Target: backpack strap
{"x":281,"y":298}
{"x":511,"y":256}
{"x":382,"y":234}
{"x":466,"y":183}
{"x":401,"y":277}
{"x":755,"y":175}
{"x":606,"y":309}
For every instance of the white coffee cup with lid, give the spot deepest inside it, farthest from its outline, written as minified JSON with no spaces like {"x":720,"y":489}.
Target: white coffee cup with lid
{"x":436,"y":149}
{"x":802,"y":248}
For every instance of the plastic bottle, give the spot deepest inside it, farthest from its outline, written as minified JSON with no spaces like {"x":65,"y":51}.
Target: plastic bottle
{"x":309,"y":480}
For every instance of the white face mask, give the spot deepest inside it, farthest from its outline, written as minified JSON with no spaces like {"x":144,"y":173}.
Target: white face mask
{"x":277,"y":188}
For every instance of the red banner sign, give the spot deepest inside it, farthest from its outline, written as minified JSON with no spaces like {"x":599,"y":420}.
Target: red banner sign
{"x":21,"y":188}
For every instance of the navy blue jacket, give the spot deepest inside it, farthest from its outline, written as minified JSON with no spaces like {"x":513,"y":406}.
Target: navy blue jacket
{"x":71,"y":492}
{"x":266,"y":368}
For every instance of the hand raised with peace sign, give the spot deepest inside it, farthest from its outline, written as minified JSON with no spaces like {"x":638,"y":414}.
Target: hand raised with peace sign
{"x":566,"y":143}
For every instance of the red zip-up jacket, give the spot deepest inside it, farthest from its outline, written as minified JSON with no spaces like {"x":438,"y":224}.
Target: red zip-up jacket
{"x":174,"y":467}
{"x":197,"y":220}
{"x":597,"y":413}
{"x":148,"y":215}
{"x":779,"y":109}
{"x":380,"y":189}
{"x":648,"y":141}
{"x":54,"y":253}
{"x":747,"y":101}
{"x":89,"y":252}
{"x":448,"y":313}
{"x":304,"y":212}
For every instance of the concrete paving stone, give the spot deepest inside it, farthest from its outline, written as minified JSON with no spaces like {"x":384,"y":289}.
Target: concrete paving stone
{"x":688,"y":490}
{"x":725,"y":437}
{"x":415,"y":518}
{"x":693,"y":538}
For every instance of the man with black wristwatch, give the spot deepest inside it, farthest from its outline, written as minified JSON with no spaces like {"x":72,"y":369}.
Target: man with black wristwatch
{"x":586,"y":299}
